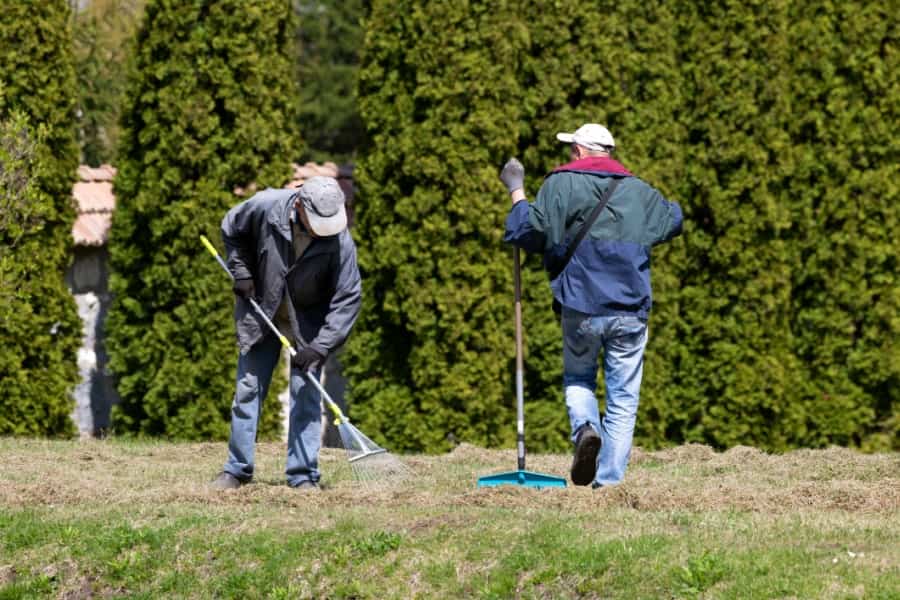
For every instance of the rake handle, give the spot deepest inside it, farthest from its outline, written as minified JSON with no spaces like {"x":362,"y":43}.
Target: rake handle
{"x":338,"y":415}
{"x":520,"y":367}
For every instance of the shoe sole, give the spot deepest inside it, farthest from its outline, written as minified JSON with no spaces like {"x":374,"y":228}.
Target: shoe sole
{"x":584,"y":464}
{"x":220,"y":488}
{"x":304,"y":486}
{"x":226,"y":484}
{"x":224,"y":487}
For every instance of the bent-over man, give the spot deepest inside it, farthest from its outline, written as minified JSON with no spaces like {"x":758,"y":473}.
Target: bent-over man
{"x":291,"y":251}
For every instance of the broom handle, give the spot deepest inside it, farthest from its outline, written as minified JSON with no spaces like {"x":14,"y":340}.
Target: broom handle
{"x":339,"y":416}
{"x":520,"y":369}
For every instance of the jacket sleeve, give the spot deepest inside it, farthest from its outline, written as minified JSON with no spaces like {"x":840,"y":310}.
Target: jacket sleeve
{"x":519,"y":230}
{"x":540,"y":225}
{"x":345,"y":304}
{"x":664,"y":219}
{"x":240,"y":228}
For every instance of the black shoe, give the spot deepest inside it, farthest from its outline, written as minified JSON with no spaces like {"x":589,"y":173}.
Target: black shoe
{"x":584,"y":463}
{"x":226,"y":481}
{"x":307,"y":485}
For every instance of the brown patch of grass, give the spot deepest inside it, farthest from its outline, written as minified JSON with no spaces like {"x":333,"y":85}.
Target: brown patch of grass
{"x":8,"y":575}
{"x":691,"y":477}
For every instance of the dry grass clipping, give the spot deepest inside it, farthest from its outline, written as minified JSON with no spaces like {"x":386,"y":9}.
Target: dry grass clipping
{"x":692,"y":477}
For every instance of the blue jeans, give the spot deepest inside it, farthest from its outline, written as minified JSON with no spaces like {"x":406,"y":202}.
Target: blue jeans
{"x":621,"y":340}
{"x":254,"y":374}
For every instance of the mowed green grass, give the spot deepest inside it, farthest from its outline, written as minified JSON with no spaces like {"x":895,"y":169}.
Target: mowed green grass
{"x":136,"y":519}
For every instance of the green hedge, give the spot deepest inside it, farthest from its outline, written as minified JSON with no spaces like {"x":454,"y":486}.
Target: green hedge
{"x":845,"y":186}
{"x":430,"y":357}
{"x":330,"y":34}
{"x":40,"y":331}
{"x":102,"y":31}
{"x":775,"y":318}
{"x":210,"y":107}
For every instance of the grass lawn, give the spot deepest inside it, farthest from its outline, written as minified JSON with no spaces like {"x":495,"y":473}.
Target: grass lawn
{"x":136,"y":519}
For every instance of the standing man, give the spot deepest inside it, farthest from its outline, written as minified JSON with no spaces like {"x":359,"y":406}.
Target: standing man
{"x":604,"y":290}
{"x":292,"y":252}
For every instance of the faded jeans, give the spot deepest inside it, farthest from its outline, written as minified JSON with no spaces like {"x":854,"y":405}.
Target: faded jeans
{"x":254,"y":374}
{"x":621,"y":341}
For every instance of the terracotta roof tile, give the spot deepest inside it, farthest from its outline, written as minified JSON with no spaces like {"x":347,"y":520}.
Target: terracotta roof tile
{"x":96,"y":202}
{"x":94,"y":196}
{"x":91,"y":229}
{"x":101,"y":173}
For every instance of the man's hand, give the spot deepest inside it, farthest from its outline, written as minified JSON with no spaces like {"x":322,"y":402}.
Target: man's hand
{"x":244,"y":288}
{"x":513,"y":175}
{"x":308,"y":359}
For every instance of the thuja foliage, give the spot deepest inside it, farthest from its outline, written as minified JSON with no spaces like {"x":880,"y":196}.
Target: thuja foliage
{"x":845,"y":187}
{"x":102,"y":32}
{"x":39,"y":327}
{"x":210,"y":108}
{"x":775,"y":315}
{"x":430,"y":358}
{"x":330,"y":35}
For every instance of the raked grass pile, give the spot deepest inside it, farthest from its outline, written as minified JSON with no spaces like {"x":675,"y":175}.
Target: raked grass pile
{"x":136,"y":519}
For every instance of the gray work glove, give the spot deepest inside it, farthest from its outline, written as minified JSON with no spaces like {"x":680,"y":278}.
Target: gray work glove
{"x":513,"y":175}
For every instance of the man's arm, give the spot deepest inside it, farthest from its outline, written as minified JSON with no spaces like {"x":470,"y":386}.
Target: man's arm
{"x":519,"y":230}
{"x":540,"y":226}
{"x":664,"y":217}
{"x":239,"y":228}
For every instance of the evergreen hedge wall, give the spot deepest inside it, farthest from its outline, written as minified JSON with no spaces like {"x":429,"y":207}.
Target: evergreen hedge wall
{"x":102,"y":31}
{"x":430,"y":356}
{"x":210,"y":107}
{"x":773,"y":124}
{"x":330,"y":35}
{"x":40,"y":331}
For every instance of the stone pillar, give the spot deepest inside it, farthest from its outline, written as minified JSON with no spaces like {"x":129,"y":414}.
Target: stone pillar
{"x":95,"y":393}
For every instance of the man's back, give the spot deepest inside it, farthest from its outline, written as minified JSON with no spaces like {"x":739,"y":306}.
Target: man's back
{"x":609,"y":273}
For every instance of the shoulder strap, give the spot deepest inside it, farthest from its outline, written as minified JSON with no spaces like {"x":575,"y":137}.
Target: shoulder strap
{"x":607,"y":194}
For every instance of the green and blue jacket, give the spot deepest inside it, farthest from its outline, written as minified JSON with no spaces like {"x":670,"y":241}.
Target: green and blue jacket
{"x":609,"y":273}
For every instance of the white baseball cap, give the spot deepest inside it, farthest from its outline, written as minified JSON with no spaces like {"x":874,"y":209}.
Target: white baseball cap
{"x":324,"y":201}
{"x":592,"y":136}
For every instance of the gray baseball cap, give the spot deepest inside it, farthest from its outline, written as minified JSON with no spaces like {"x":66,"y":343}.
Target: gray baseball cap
{"x":323,"y":201}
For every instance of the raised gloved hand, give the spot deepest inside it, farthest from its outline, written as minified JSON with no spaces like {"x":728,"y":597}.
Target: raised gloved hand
{"x":308,"y":359}
{"x":513,"y":175}
{"x":244,"y":288}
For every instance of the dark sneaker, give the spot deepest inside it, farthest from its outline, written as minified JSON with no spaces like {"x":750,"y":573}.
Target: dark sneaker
{"x":226,"y":481}
{"x":307,"y":486}
{"x":584,"y":463}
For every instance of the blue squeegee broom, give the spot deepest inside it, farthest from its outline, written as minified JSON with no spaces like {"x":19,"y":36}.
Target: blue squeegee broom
{"x":520,"y":476}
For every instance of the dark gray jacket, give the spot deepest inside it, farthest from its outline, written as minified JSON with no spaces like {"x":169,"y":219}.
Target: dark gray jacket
{"x":323,"y":285}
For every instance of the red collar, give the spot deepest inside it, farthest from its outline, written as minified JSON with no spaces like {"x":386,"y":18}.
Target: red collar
{"x":598,"y":164}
